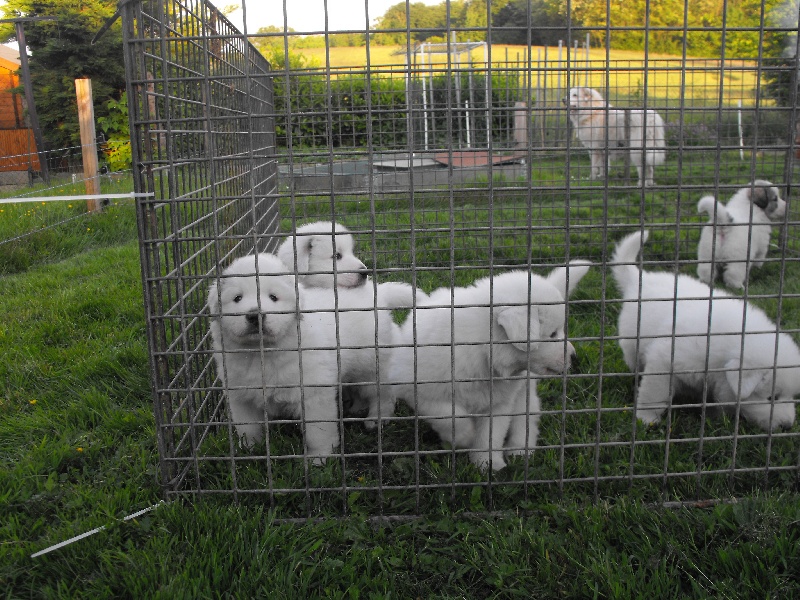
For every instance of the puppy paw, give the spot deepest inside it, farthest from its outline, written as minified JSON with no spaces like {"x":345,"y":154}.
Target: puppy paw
{"x":649,"y":417}
{"x":783,"y":416}
{"x":482,"y":460}
{"x":370,"y":424}
{"x":519,"y":452}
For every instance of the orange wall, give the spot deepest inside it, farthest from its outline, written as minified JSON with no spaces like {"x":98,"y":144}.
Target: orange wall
{"x":17,"y":148}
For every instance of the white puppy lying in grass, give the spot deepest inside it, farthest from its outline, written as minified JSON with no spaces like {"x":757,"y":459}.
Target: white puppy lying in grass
{"x":475,"y":403}
{"x":736,"y":241}
{"x":324,"y":246}
{"x":259,"y":354}
{"x":749,"y":361}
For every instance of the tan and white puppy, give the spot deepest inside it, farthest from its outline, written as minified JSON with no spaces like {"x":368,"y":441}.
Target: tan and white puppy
{"x":670,"y":325}
{"x":737,"y":234}
{"x":468,"y":352}
{"x":602,"y":130}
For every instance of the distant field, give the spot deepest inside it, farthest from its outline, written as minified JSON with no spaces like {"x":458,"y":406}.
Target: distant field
{"x":666,"y":78}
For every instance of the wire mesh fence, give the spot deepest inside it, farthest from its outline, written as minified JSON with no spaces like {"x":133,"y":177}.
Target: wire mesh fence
{"x":440,"y":349}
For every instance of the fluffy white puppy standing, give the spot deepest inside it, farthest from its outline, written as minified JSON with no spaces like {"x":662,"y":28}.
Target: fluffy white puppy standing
{"x":259,"y":355}
{"x":602,"y":130}
{"x":749,"y":361}
{"x":320,"y":247}
{"x":737,"y":234}
{"x":259,"y":350}
{"x":459,"y":378}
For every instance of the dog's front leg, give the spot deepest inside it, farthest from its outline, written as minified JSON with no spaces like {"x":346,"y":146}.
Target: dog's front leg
{"x":653,"y":397}
{"x":524,"y":427}
{"x":490,"y":432}
{"x":600,"y":162}
{"x":380,"y":407}
{"x":320,"y":426}
{"x":247,"y":417}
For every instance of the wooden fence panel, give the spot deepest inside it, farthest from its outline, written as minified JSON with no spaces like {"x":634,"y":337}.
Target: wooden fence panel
{"x":18,"y":150}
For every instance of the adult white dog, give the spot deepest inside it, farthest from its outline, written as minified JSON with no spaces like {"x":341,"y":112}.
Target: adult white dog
{"x":469,"y":380}
{"x":323,"y":253}
{"x":737,"y":234}
{"x":275,"y":359}
{"x":679,"y":334}
{"x":610,"y":133}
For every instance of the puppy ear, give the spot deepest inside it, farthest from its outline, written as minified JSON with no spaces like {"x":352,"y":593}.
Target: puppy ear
{"x":304,"y":243}
{"x":213,"y":299}
{"x":760,"y":196}
{"x":750,"y":378}
{"x":513,"y":320}
{"x":558,"y":277}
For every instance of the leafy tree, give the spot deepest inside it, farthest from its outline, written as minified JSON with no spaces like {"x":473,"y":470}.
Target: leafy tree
{"x":419,"y":16}
{"x":549,"y":23}
{"x":61,"y":52}
{"x":781,"y":76}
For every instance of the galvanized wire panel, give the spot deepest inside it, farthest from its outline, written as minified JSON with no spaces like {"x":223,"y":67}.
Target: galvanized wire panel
{"x":457,"y":163}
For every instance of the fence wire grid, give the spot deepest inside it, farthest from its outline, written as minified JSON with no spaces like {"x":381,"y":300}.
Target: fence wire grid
{"x":501,"y":372}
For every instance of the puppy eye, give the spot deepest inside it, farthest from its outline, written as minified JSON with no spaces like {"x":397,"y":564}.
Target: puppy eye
{"x":273,"y":297}
{"x":554,"y":335}
{"x":338,"y":256}
{"x":237,"y":298}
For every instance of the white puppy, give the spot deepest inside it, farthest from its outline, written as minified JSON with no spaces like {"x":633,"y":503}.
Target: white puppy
{"x":254,"y":331}
{"x":750,"y":363}
{"x":325,"y":258}
{"x":602,"y":130}
{"x":737,"y":234}
{"x":459,"y":378}
{"x":259,"y":350}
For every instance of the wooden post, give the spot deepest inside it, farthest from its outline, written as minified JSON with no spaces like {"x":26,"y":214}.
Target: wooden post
{"x":83,"y":88}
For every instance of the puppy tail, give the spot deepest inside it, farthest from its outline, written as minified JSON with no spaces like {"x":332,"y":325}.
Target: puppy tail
{"x":718,"y":215}
{"x":395,"y":294}
{"x":626,"y":272}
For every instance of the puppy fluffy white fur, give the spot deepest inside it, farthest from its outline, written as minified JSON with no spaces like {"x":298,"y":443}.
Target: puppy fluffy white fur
{"x":750,"y":363}
{"x":323,"y":246}
{"x":601,"y":129}
{"x":476,"y":405}
{"x":259,"y":350}
{"x":737,"y":234}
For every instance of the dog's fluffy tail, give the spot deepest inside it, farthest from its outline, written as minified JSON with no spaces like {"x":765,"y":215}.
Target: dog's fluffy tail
{"x":624,"y":268}
{"x":720,"y":215}
{"x":395,"y":294}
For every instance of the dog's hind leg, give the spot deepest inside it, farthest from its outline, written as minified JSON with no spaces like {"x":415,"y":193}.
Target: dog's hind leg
{"x":647,"y":180}
{"x":735,"y":274}
{"x":451,"y":422}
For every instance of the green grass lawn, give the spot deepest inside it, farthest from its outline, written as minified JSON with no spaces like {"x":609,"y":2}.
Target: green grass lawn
{"x":78,"y":437}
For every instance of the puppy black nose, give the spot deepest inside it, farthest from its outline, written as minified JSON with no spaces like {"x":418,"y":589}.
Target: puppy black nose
{"x":252,"y":317}
{"x":573,"y":362}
